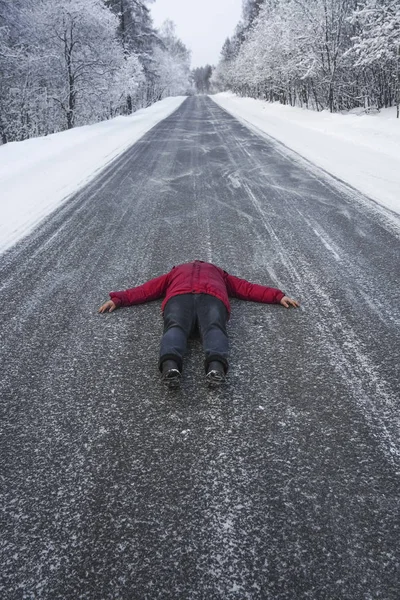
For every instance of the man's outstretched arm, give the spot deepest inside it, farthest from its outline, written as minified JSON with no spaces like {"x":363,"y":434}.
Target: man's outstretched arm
{"x":151,"y":290}
{"x":245,"y":290}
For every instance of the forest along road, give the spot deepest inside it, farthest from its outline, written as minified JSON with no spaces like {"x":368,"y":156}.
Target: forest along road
{"x":283,"y":485}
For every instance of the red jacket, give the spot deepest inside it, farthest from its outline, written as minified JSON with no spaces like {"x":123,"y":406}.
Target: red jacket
{"x":197,"y":277}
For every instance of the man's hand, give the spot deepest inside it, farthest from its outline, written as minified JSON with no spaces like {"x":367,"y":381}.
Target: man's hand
{"x":109,"y":307}
{"x":288,"y":302}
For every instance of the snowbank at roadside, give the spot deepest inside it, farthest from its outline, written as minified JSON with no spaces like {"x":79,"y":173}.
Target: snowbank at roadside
{"x":362,"y":150}
{"x":38,"y":174}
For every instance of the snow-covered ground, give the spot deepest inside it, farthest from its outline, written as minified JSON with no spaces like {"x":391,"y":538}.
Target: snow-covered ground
{"x":362,"y":150}
{"x":37,"y":175}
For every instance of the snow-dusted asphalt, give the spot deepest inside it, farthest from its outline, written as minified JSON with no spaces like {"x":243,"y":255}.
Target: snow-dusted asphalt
{"x":283,"y":486}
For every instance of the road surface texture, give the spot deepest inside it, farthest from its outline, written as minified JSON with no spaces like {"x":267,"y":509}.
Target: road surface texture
{"x":282,"y":486}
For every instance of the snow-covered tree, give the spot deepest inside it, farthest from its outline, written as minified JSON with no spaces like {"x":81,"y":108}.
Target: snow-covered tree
{"x":172,"y":64}
{"x":16,"y":72}
{"x":201,"y":79}
{"x":221,"y":77}
{"x":377,"y":46}
{"x":139,"y":38}
{"x":80,"y":55}
{"x":251,"y":10}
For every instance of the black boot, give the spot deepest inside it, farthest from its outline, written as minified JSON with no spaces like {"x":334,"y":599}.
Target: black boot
{"x":170,"y":374}
{"x":215,"y":374}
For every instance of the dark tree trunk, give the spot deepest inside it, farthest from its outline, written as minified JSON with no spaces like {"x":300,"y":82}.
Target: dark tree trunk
{"x":71,"y":100}
{"x":129,"y":104}
{"x":3,"y":134}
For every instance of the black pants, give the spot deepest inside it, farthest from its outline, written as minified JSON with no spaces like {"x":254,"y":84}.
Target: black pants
{"x":182,"y":315}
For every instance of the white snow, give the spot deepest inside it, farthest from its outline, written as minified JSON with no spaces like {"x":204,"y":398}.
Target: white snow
{"x":361,"y":149}
{"x":38,"y":174}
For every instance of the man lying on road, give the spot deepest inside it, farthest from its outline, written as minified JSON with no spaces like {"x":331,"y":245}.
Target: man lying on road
{"x":196,"y":295}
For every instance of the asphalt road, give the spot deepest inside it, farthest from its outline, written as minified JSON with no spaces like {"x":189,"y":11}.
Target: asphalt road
{"x":283,"y":486}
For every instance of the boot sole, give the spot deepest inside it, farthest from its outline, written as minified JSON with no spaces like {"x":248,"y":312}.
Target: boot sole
{"x":215,"y":379}
{"x":172,"y":381}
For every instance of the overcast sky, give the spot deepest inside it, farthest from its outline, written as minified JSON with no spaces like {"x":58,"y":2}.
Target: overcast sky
{"x":203,"y":25}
